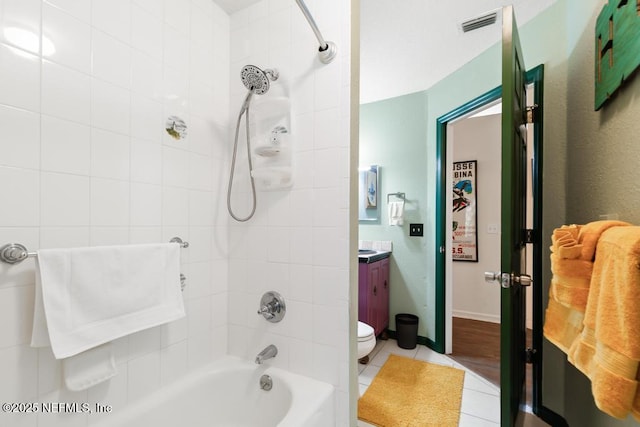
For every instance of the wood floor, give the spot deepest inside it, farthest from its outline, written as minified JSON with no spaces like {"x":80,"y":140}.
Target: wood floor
{"x":476,"y":345}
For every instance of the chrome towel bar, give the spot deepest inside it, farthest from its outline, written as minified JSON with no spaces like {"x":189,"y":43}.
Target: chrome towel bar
{"x":400,"y":196}
{"x":14,"y":253}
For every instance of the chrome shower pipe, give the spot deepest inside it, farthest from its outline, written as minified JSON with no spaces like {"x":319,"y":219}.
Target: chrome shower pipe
{"x":327,"y":50}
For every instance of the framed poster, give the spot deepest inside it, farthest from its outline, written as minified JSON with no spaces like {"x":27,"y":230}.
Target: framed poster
{"x":464,"y":215}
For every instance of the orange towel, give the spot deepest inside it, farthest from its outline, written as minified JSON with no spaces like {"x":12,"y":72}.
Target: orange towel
{"x":608,"y":348}
{"x":572,"y":253}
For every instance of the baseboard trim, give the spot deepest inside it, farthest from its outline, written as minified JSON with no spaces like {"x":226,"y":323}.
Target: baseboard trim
{"x":476,"y":316}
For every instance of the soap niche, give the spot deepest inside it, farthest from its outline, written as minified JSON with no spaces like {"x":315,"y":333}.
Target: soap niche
{"x":271,"y":144}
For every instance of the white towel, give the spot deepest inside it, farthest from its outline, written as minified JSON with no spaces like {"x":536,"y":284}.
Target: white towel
{"x":86,"y":297}
{"x":89,"y":368}
{"x":94,"y":295}
{"x":396,"y":213}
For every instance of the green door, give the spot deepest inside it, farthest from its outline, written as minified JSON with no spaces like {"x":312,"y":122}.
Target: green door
{"x":513,"y":211}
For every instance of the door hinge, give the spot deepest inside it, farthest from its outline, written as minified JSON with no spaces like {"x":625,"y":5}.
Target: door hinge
{"x":529,"y":235}
{"x":531,"y":113}
{"x":530,"y":355}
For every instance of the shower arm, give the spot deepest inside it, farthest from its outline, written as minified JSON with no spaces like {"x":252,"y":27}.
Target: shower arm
{"x":328,"y":50}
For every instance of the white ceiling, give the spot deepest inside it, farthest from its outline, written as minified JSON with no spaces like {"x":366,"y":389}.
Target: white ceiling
{"x":231,"y":6}
{"x":408,"y":46}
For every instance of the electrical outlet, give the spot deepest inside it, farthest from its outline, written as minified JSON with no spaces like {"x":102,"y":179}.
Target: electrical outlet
{"x":416,"y":229}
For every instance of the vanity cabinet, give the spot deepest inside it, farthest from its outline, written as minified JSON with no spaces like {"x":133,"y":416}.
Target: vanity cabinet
{"x":373,"y":294}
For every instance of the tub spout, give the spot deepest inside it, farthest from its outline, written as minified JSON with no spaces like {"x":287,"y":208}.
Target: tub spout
{"x":267,"y":353}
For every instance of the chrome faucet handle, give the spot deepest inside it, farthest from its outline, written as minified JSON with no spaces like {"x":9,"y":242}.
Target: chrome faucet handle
{"x":272,"y":307}
{"x":266,"y":312}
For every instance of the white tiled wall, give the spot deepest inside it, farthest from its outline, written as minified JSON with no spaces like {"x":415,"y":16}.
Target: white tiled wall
{"x":297,"y":242}
{"x":85,"y":89}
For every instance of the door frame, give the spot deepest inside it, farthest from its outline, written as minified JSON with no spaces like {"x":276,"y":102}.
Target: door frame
{"x":534,"y":76}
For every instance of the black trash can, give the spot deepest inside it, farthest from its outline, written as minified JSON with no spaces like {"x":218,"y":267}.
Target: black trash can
{"x":407,"y":330}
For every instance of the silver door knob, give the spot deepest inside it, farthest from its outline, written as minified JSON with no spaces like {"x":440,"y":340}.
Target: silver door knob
{"x":523,"y":279}
{"x":491,"y":276}
{"x":505,"y":279}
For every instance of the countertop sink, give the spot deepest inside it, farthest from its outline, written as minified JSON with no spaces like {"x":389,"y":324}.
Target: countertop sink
{"x":371,"y":255}
{"x":366,"y":251}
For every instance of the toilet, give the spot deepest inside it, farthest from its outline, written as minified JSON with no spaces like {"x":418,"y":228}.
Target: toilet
{"x":366,"y":340}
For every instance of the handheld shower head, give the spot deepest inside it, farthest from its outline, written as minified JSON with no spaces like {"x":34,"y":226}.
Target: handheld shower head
{"x":257,"y":80}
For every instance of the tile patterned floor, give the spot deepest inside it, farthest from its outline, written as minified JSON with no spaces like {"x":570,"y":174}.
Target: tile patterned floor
{"x":480,"y":399}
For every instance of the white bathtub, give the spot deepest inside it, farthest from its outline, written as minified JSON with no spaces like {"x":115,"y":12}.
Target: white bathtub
{"x":227,"y":394}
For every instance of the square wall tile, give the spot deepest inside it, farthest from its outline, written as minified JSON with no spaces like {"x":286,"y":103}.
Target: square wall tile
{"x":201,"y":28}
{"x":64,"y":237}
{"x":22,"y":19}
{"x":146,"y":118}
{"x":16,"y":313}
{"x":110,"y":107}
{"x":109,"y":155}
{"x":69,"y":39}
{"x":201,"y":136}
{"x":200,"y":350}
{"x":176,"y":48}
{"x":20,"y":376}
{"x":113,"y":17}
{"x":146,"y":161}
{"x":174,"y":332}
{"x":146,"y":204}
{"x":111,"y":59}
{"x":19,"y":78}
{"x":200,"y":172}
{"x":200,"y":208}
{"x":61,"y":137}
{"x":173,"y":362}
{"x":146,"y":31}
{"x":174,"y":206}
{"x":66,"y":93}
{"x":175,"y":89}
{"x":109,"y":236}
{"x":177,"y":14}
{"x":144,"y":376}
{"x":146,"y":76}
{"x":199,"y":317}
{"x":109,"y":202}
{"x":78,"y":9}
{"x":175,"y":167}
{"x":327,"y":129}
{"x":19,"y":145}
{"x":65,"y":200}
{"x":24,"y":198}
{"x":199,"y":280}
{"x":154,"y":7}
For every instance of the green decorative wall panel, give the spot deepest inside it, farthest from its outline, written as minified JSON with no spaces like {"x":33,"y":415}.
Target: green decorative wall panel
{"x":617,"y":52}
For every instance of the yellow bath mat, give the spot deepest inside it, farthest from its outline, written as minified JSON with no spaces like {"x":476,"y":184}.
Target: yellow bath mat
{"x":411,"y":393}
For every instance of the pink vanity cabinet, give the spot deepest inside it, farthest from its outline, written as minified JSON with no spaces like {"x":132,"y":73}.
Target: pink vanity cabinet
{"x":373,"y":291}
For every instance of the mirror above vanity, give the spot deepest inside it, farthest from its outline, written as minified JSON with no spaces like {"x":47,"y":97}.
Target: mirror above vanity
{"x":368,"y":200}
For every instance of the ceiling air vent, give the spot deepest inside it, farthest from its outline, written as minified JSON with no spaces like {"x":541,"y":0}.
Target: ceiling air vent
{"x":479,"y":22}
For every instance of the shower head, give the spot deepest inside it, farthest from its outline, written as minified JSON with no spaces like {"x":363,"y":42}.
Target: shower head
{"x":257,"y":80}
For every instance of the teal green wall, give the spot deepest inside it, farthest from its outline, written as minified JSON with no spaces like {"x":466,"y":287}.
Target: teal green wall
{"x":393,"y":135}
{"x":582,"y":149}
